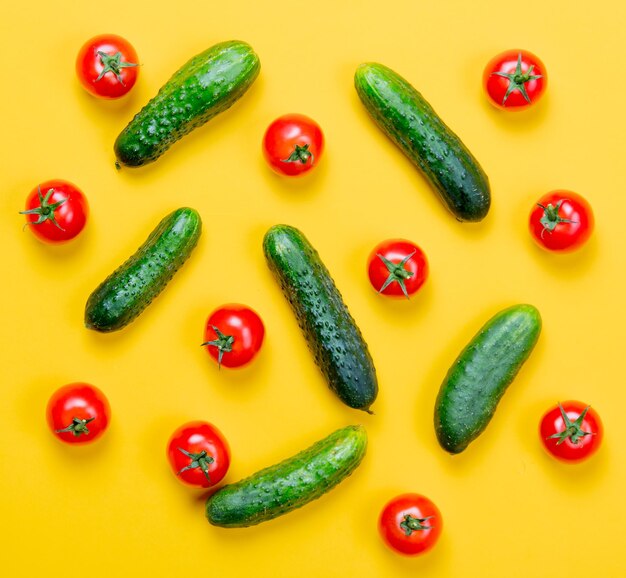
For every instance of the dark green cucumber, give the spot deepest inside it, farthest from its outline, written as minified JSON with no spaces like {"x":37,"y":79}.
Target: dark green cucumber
{"x":206,"y":85}
{"x":290,"y":484}
{"x":124,"y":294}
{"x":331,"y":333}
{"x":410,"y":122}
{"x":482,"y":373}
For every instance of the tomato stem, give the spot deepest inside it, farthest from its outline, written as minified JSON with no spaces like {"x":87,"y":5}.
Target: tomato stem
{"x":300,"y":154}
{"x":518,"y":79}
{"x":551,"y":218}
{"x":45,"y":210}
{"x":397,"y":272}
{"x":77,"y":427}
{"x":224,"y":344}
{"x":412,"y":524}
{"x":113,"y":63}
{"x":573,"y":429}
{"x":201,"y":460}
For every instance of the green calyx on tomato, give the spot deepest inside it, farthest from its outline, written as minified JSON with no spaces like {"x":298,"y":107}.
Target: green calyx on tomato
{"x":518,"y":79}
{"x":412,"y":524}
{"x":113,"y":63}
{"x":573,"y":430}
{"x":551,"y":218}
{"x":224,"y":344}
{"x":397,"y":272}
{"x":45,"y":210}
{"x":77,"y":427}
{"x":201,"y":460}
{"x":300,"y":154}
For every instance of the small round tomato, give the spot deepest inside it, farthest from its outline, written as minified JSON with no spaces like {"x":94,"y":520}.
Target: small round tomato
{"x":515,"y":79}
{"x":199,"y":454}
{"x":571,"y":431}
{"x":397,"y":268}
{"x":107,"y":66}
{"x":56,"y":211}
{"x":293,"y":144}
{"x":78,"y":413}
{"x":561,"y":221}
{"x":410,"y":524}
{"x":233,"y":335}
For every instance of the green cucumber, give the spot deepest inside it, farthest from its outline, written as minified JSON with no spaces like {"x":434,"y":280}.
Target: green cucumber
{"x":477,"y":380}
{"x":124,"y":294}
{"x":330,"y":331}
{"x":290,"y":484}
{"x":409,"y":121}
{"x":206,"y":85}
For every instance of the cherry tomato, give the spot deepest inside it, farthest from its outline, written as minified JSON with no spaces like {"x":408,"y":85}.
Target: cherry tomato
{"x":233,"y":335}
{"x":397,"y":268}
{"x":515,"y":79}
{"x":561,"y":221}
{"x":78,"y":413}
{"x":571,"y":431}
{"x":107,"y":66}
{"x":410,"y":524}
{"x":199,"y":454}
{"x":56,"y":211}
{"x":293,"y":144}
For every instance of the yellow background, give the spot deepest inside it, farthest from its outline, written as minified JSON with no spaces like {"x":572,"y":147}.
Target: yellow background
{"x":115,"y":509}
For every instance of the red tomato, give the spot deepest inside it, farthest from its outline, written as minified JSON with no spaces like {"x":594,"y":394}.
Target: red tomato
{"x":78,"y":413}
{"x":107,"y":66}
{"x":233,"y":335}
{"x":561,"y":221}
{"x":515,"y":79}
{"x":410,"y":524}
{"x":397,"y":268}
{"x":56,"y":211}
{"x":199,"y":454}
{"x":293,"y":144}
{"x":571,"y":431}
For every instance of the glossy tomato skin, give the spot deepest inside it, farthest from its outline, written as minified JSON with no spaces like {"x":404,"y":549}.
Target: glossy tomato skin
{"x":121,"y":74}
{"x":570,"y":229}
{"x":411,"y":508}
{"x":293,"y":144}
{"x":397,"y":251}
{"x":242,"y":334}
{"x":203,"y":441}
{"x":506,"y":63}
{"x":80,"y":408}
{"x":66,"y":206}
{"x":571,"y":451}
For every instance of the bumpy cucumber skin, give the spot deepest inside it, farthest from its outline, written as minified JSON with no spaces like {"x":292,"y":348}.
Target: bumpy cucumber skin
{"x":124,"y":294}
{"x":290,"y":484}
{"x":409,"y":121}
{"x":206,"y":85}
{"x":477,"y":380}
{"x":330,"y":331}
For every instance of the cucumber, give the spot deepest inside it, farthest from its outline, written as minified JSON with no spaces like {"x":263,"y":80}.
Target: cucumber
{"x":477,"y":380}
{"x":290,"y":484}
{"x":409,"y":121}
{"x":124,"y":294}
{"x":206,"y":85}
{"x":330,"y":331}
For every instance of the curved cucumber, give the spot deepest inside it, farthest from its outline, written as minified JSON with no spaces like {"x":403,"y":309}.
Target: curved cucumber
{"x":290,"y":484}
{"x":409,"y":121}
{"x":331,"y":333}
{"x":481,"y":374}
{"x":206,"y":85}
{"x":124,"y":294}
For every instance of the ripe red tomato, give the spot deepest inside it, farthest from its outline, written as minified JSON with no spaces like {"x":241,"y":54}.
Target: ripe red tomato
{"x":56,"y":211}
{"x":561,"y":221}
{"x":293,"y":144}
{"x":107,"y":66}
{"x":233,"y":335}
{"x":199,"y":454}
{"x":571,"y":431}
{"x":78,"y":413}
{"x":397,"y":268}
{"x":515,"y":79}
{"x":410,"y":524}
